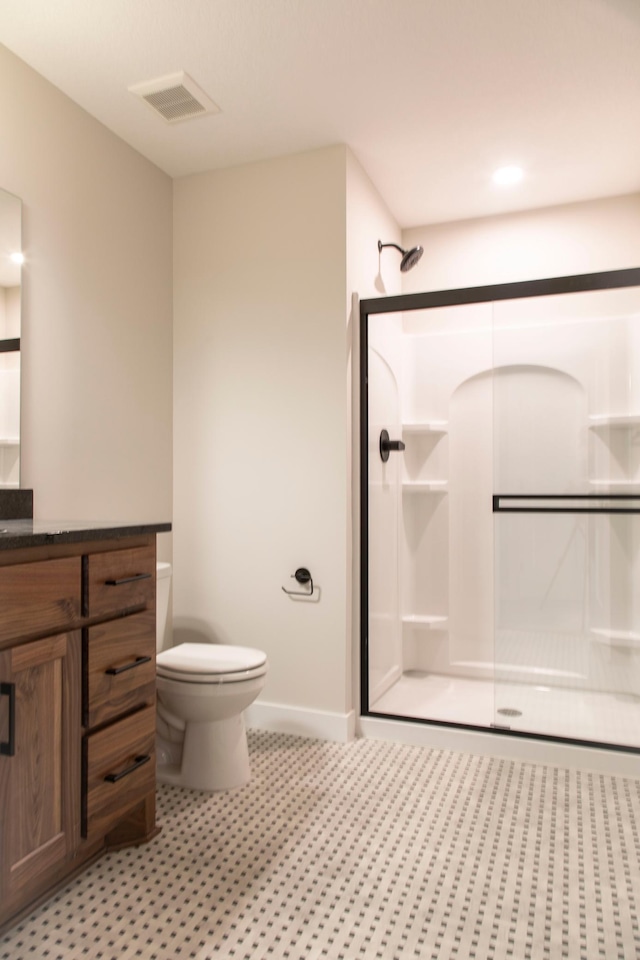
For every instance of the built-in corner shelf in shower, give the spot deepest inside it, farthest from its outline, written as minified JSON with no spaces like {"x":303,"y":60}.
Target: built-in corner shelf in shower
{"x":426,"y":426}
{"x":425,"y":486}
{"x":617,"y":638}
{"x":425,"y":622}
{"x":9,"y":441}
{"x":614,"y":420}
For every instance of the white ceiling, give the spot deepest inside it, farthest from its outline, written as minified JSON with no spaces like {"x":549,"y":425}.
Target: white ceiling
{"x":431,"y":95}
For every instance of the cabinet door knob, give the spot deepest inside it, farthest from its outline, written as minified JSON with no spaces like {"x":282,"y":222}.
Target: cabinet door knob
{"x":139,"y":762}
{"x":8,"y":749}
{"x":116,"y":671}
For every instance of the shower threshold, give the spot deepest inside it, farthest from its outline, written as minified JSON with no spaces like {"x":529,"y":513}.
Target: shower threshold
{"x":562,"y":712}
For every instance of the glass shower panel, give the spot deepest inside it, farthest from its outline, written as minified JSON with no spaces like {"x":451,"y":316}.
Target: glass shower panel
{"x":430,"y":644}
{"x":384,"y":371}
{"x":566,"y":409}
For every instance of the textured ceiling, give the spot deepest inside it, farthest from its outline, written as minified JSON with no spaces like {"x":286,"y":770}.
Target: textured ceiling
{"x":431,"y":95}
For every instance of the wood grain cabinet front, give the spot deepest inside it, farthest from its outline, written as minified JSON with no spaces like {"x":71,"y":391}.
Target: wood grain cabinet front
{"x":77,"y":711}
{"x":119,"y":764}
{"x":39,"y":764}
{"x":39,"y":598}
{"x":118,"y":770}
{"x":121,"y":580}
{"x":120,"y":669}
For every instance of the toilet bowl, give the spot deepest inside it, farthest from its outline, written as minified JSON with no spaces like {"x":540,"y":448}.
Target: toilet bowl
{"x":202,"y":691}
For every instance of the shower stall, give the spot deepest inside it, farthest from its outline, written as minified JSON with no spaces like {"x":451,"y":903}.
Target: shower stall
{"x":500,"y":508}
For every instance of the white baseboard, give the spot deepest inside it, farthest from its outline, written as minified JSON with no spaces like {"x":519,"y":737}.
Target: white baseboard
{"x":342,"y":727}
{"x":320,"y":724}
{"x":574,"y":756}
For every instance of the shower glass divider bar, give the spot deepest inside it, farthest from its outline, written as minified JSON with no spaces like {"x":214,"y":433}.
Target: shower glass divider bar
{"x":593,"y":503}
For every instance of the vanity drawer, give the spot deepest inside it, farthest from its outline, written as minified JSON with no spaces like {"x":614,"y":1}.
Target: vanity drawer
{"x":119,"y":768}
{"x":120,"y":667}
{"x":120,"y":580}
{"x":39,"y":598}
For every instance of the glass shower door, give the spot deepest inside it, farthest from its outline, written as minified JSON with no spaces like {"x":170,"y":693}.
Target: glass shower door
{"x":566,"y":515}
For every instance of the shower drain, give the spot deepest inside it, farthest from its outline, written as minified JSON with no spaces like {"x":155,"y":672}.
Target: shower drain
{"x":509,"y":712}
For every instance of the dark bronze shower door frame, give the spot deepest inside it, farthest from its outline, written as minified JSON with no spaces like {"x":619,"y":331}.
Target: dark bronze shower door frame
{"x":580,"y":283}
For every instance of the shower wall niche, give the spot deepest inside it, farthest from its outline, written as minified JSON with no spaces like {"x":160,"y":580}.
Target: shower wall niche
{"x":503,"y":560}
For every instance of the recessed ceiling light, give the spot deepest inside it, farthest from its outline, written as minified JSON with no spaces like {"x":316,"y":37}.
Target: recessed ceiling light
{"x":506,"y":176}
{"x":17,"y":258}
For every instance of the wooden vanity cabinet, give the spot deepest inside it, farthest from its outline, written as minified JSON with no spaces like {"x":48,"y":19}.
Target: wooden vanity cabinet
{"x":77,"y":710}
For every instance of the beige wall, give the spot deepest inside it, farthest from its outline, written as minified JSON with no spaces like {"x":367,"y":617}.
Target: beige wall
{"x":267,"y":259}
{"x":554,"y":241}
{"x":97,"y":325}
{"x":260,"y":418}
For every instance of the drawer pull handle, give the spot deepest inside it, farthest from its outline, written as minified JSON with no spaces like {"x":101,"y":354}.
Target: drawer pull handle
{"x":116,"y":671}
{"x":136,"y":576}
{"x":8,"y":749}
{"x":139,"y":762}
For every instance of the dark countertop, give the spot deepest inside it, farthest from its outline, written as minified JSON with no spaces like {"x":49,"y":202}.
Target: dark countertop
{"x":36,"y":533}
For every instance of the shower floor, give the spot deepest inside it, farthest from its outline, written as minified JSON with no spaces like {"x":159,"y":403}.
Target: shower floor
{"x":551,"y":711}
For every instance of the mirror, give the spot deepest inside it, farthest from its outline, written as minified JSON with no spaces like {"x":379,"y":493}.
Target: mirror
{"x":10,"y":276}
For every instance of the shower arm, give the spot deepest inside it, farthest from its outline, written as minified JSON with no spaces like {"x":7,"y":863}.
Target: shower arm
{"x":381,"y":245}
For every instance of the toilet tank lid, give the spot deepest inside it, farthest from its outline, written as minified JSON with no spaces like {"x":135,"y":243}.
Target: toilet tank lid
{"x":163,"y":570}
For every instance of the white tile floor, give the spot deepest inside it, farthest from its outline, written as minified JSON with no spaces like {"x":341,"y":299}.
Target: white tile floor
{"x":553,"y":711}
{"x":368,"y":850}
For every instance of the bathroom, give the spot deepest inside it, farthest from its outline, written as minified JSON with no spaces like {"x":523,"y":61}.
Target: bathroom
{"x":120,"y":249}
{"x":176,"y":314}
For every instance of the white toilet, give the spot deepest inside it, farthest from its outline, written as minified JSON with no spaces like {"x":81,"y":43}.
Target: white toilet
{"x":202,"y":689}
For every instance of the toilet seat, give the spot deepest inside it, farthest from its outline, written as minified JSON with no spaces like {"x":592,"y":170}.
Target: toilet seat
{"x":211,"y":663}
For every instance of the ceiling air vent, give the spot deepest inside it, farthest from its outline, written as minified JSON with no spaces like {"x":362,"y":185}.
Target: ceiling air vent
{"x":175,"y":97}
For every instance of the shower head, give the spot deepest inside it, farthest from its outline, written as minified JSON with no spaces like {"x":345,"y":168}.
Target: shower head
{"x":409,"y":257}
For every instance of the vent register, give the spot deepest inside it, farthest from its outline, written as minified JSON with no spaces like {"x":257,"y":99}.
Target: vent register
{"x":175,"y":97}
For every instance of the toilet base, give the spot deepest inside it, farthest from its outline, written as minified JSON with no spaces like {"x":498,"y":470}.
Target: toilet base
{"x":214,"y":757}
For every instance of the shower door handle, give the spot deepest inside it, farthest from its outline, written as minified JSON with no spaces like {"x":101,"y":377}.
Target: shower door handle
{"x":387,"y":445}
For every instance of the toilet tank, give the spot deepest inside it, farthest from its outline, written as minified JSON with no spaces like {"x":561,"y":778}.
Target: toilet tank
{"x":163,"y":585}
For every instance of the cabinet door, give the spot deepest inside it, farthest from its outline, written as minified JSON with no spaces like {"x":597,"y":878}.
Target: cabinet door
{"x":39,"y":762}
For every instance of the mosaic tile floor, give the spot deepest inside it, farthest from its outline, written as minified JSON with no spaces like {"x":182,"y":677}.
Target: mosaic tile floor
{"x":364,"y":850}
